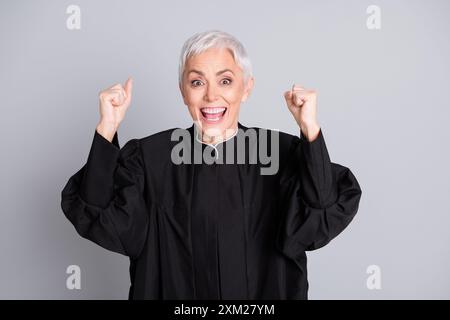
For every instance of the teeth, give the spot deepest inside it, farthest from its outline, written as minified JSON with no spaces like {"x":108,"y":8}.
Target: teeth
{"x":213,"y":110}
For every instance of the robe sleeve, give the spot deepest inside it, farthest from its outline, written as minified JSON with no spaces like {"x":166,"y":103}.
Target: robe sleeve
{"x":104,"y":199}
{"x":319,"y":198}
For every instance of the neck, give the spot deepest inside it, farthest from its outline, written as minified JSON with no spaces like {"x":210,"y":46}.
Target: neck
{"x":213,"y":138}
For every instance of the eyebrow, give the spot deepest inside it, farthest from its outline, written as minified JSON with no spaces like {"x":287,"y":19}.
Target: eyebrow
{"x":217,"y":73}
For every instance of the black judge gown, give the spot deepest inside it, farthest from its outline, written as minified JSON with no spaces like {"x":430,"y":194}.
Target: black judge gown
{"x":211,"y":230}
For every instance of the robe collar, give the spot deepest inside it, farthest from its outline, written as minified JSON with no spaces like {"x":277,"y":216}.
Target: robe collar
{"x":196,"y":133}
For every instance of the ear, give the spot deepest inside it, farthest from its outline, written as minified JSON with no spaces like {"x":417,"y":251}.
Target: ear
{"x":248,"y":89}
{"x":182,"y":93}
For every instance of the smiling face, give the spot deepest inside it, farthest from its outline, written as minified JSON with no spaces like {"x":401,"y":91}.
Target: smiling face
{"x":213,"y":89}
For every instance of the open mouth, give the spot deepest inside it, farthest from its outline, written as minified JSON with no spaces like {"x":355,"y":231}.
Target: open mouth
{"x":213,"y":114}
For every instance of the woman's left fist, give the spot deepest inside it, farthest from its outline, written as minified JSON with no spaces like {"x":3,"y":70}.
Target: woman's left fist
{"x":303,"y":105}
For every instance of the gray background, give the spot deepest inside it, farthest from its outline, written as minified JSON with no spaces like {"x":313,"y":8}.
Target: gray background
{"x":382,"y":105}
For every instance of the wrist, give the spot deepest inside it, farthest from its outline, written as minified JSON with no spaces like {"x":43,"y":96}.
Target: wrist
{"x":310,"y":131}
{"x":107,"y":130}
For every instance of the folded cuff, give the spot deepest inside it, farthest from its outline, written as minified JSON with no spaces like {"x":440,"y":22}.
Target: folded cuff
{"x":316,"y":172}
{"x":98,"y":179}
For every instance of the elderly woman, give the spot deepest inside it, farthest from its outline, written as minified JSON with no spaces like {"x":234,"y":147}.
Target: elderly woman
{"x":215,"y":229}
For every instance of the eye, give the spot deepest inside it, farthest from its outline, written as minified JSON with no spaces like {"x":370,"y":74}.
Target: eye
{"x":229,"y":81}
{"x":194,"y":81}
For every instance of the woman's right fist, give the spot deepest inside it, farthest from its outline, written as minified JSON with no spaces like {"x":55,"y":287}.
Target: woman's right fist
{"x":114,"y":103}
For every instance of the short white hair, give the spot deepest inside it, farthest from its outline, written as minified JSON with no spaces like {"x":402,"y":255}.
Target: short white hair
{"x":202,"y":41}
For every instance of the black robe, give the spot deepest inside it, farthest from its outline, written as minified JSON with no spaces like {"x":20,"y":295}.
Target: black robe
{"x":211,"y":230}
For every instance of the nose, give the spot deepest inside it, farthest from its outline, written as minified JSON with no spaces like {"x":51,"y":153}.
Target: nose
{"x":211,"y":92}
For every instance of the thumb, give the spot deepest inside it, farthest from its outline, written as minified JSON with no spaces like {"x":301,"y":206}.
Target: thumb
{"x":128,"y":87}
{"x":288,"y":97}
